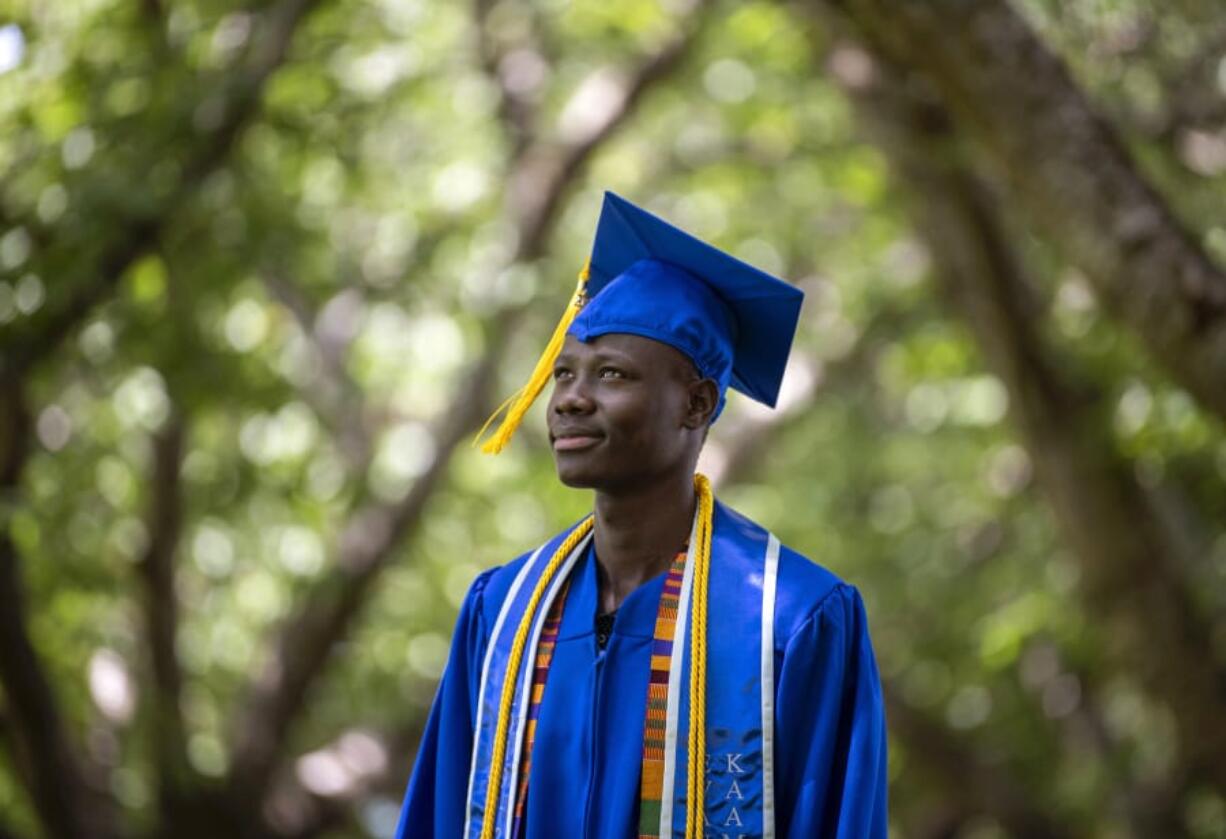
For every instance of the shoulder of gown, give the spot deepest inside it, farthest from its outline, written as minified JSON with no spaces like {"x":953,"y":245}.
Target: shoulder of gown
{"x":495,"y":584}
{"x":803,"y":589}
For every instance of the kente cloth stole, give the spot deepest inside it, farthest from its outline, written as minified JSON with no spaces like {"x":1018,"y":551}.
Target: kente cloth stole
{"x":655,"y":720}
{"x":652,"y":784}
{"x":738,"y":695}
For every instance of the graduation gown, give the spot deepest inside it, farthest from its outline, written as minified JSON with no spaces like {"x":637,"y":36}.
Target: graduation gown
{"x":830,"y":752}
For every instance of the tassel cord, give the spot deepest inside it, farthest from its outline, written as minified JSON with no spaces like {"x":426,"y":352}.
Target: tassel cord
{"x":517,"y":405}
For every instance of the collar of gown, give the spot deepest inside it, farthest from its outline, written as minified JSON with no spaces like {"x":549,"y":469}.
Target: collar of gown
{"x":636,"y":616}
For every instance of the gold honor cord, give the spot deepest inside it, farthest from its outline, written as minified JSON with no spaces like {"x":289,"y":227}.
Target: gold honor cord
{"x":490,"y":815}
{"x":695,"y":792}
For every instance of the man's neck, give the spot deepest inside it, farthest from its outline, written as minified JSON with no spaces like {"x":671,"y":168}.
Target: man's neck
{"x":638,"y":534}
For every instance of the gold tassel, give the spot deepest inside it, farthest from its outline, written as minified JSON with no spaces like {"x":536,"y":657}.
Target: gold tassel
{"x":517,"y":405}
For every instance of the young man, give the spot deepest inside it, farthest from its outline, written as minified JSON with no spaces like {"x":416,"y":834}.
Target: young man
{"x":663,"y":668}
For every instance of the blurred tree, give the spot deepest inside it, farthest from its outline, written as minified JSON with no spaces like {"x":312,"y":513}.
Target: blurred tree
{"x":263,"y":269}
{"x":1131,"y":561}
{"x":1072,"y":169}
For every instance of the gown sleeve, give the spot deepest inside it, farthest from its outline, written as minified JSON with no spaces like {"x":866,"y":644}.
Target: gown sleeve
{"x":830,"y":727}
{"x":434,"y":804}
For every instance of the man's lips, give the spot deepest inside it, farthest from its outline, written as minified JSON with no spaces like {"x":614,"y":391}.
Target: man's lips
{"x":568,"y":441}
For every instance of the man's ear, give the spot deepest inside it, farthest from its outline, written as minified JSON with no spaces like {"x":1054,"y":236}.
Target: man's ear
{"x":703,"y":398}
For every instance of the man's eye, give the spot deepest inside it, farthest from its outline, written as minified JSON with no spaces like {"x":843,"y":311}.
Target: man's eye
{"x":611,"y":373}
{"x":560,"y":373}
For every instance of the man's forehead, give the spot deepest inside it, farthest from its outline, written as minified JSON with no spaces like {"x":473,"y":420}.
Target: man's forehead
{"x":625,"y":346}
{"x":621,"y":344}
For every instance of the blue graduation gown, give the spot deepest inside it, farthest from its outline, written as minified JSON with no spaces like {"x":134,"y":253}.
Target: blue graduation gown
{"x":830,"y":753}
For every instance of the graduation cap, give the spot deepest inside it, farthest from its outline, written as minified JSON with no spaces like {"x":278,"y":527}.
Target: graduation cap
{"x":646,"y":277}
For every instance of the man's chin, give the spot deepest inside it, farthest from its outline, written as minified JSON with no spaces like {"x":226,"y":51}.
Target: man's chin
{"x":578,"y":478}
{"x":600,"y":479}
{"x":579,"y":472}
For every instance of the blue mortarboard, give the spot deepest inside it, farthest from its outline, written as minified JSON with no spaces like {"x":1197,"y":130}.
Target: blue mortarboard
{"x":648,"y":278}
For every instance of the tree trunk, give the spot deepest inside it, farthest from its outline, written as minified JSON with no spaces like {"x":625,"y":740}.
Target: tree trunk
{"x":1067,"y":168}
{"x":1132,"y":579}
{"x":41,"y":745}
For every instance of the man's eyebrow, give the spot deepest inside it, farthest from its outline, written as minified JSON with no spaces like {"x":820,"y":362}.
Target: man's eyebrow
{"x":596,"y":356}
{"x":613,"y":355}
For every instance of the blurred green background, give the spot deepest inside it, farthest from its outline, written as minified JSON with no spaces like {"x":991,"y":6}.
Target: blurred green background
{"x":264,"y":267}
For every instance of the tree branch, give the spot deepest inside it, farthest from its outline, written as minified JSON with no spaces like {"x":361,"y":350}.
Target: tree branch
{"x":537,"y":185}
{"x":517,"y":109}
{"x":226,"y":113}
{"x":1132,"y":567}
{"x":953,"y":763}
{"x":153,"y":12}
{"x":7,"y":832}
{"x":156,"y":570}
{"x":372,"y":534}
{"x":741,"y":459}
{"x":1068,"y":169}
{"x":334,"y":396}
{"x":1190,"y":94}
{"x":1150,"y":807}
{"x":366,"y":545}
{"x":315,"y":816}
{"x":56,"y":781}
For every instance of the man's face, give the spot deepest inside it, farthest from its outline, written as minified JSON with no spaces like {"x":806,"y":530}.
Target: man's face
{"x":621,"y":413}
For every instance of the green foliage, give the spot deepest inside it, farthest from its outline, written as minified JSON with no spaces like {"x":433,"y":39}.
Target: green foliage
{"x":374,"y":184}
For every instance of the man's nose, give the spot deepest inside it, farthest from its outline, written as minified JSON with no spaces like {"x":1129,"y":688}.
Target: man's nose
{"x":573,"y":398}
